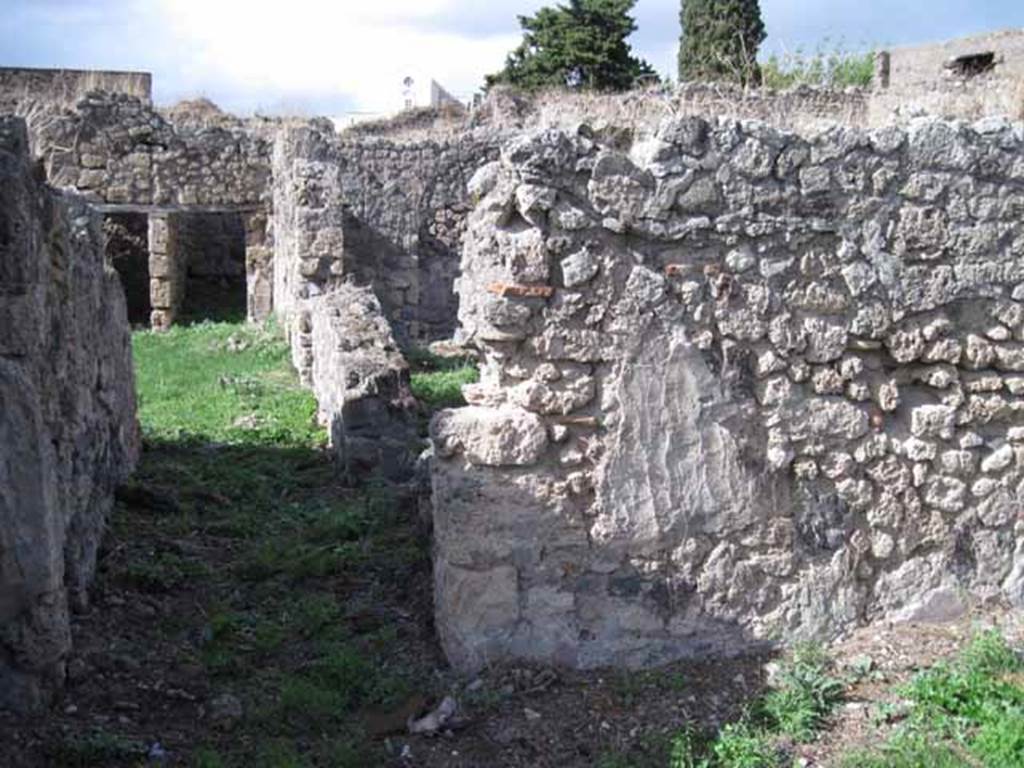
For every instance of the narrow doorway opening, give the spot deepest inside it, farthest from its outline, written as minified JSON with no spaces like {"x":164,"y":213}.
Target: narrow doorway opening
{"x":213,"y":246}
{"x":128,"y":251}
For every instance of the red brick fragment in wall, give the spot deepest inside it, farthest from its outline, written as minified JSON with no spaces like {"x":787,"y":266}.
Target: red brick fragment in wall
{"x":521,"y":291}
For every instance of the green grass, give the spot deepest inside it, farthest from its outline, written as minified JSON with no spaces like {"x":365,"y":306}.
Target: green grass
{"x":966,"y":712}
{"x":805,"y":696}
{"x":95,"y":748}
{"x":223,"y":383}
{"x":437,"y":381}
{"x":796,"y":708}
{"x":277,"y":555}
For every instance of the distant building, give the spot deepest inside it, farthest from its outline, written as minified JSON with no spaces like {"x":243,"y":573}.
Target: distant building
{"x":411,"y":93}
{"x":1000,"y":54}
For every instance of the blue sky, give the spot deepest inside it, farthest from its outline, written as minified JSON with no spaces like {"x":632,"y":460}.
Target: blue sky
{"x":338,"y":56}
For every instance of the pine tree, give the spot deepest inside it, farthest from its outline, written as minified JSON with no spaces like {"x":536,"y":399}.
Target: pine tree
{"x":580,"y":45}
{"x":719,"y":40}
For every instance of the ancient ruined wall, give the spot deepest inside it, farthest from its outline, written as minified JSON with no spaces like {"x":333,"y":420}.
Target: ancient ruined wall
{"x":67,"y":416}
{"x":739,"y":386}
{"x":920,"y":64}
{"x":386,"y":213}
{"x":64,"y":87}
{"x":117,"y":149}
{"x":361,"y":383}
{"x":308,"y":235}
{"x":168,"y":269}
{"x":192,"y":159}
{"x":922,"y":81}
{"x":342,"y":345}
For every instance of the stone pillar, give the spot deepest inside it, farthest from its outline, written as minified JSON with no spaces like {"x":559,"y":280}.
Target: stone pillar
{"x":166,"y":271}
{"x":883,"y":69}
{"x":259,"y":267}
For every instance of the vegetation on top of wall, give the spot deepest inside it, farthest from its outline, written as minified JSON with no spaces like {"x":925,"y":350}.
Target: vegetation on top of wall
{"x":579,"y":45}
{"x":834,"y":68}
{"x":719,"y":40}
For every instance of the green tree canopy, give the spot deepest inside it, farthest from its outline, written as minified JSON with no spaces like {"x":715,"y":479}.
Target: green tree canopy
{"x":719,"y":40}
{"x":582,"y":45}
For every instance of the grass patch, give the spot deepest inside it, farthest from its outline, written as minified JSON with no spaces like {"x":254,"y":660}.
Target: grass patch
{"x":222,"y":383}
{"x":437,"y":381}
{"x":805,"y":696}
{"x":277,"y":574}
{"x":966,"y":712}
{"x":796,"y":709}
{"x":96,"y":748}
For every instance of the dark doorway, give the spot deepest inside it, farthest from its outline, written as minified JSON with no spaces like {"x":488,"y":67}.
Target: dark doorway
{"x":128,"y":251}
{"x":213,"y":246}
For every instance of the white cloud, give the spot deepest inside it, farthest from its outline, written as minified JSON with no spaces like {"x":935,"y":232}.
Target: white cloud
{"x":308,"y":48}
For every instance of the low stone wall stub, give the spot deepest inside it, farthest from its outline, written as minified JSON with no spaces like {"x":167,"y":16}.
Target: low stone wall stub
{"x":361,"y":383}
{"x":739,"y":387}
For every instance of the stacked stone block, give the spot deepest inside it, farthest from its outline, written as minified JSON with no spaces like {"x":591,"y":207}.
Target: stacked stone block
{"x":167,"y":270}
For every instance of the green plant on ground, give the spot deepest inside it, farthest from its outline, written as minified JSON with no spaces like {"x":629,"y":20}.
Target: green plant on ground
{"x":968,"y":711}
{"x":797,"y":708}
{"x":222,"y":383}
{"x":742,"y":745}
{"x":806,"y":694}
{"x":234,"y":481}
{"x":835,"y":68}
{"x":437,"y":381}
{"x":96,"y":748}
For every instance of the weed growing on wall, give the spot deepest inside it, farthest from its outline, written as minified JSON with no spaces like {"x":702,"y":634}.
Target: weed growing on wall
{"x":833,"y":68}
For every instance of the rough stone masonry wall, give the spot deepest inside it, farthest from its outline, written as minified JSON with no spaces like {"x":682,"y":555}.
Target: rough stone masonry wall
{"x":121,"y":153}
{"x":116,"y":149}
{"x":361,"y":383}
{"x":342,"y":345}
{"x":739,"y":386}
{"x":168,"y":269}
{"x":380,"y":211}
{"x":68,"y":434}
{"x":20,"y":86}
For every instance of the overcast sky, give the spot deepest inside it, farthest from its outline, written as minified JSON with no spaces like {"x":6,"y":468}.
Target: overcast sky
{"x":320,"y":57}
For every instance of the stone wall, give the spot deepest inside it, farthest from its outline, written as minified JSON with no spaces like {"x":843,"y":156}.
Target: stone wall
{"x":68,"y":434}
{"x":117,"y":149}
{"x":168,"y":269}
{"x":385,"y":212}
{"x":64,"y":87}
{"x":918,"y":65}
{"x":739,"y":387}
{"x":342,"y":345}
{"x":192,"y":160}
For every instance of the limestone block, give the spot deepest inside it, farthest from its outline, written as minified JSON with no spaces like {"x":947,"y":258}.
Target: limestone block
{"x":490,"y":437}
